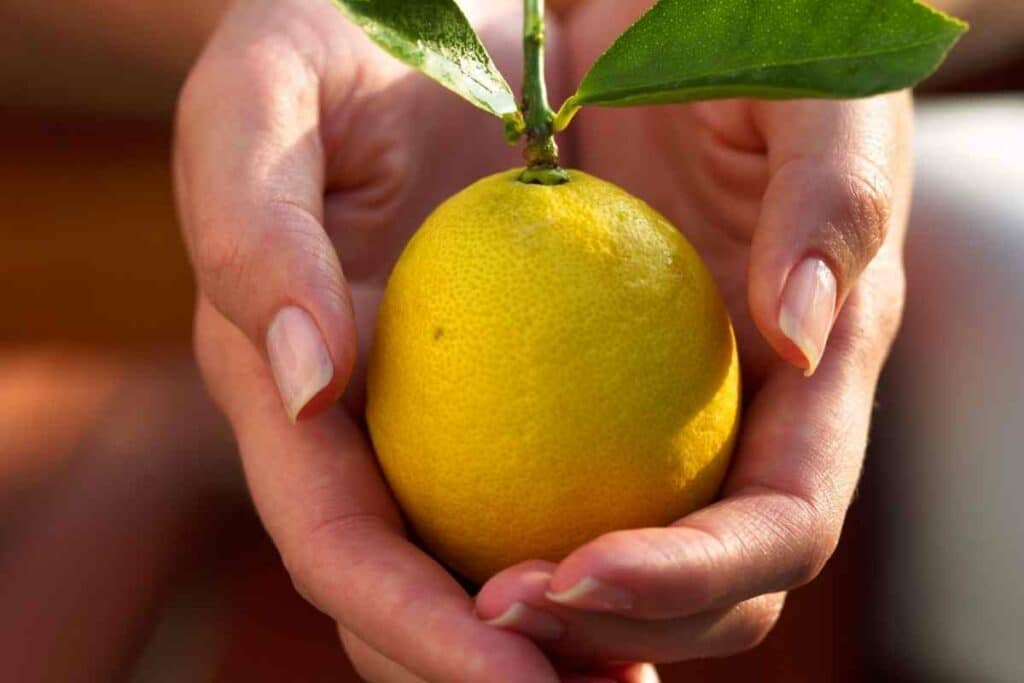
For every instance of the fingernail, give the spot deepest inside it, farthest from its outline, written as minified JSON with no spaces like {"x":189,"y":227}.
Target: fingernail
{"x":530,"y":622}
{"x":299,"y":359}
{"x":808,"y":307}
{"x":589,"y":593}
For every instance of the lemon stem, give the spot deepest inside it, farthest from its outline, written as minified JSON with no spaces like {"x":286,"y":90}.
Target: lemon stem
{"x":541,"y":152}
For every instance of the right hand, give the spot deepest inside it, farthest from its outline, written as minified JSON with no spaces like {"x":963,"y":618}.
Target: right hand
{"x":299,"y":140}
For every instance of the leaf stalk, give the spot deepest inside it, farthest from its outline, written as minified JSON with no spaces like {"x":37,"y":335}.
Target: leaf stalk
{"x":541,"y":152}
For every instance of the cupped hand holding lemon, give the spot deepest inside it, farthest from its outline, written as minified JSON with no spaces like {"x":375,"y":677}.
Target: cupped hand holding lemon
{"x":277,"y":141}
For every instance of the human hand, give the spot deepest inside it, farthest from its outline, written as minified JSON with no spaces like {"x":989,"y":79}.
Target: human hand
{"x":299,"y":140}
{"x":243,"y":277}
{"x":799,"y":209}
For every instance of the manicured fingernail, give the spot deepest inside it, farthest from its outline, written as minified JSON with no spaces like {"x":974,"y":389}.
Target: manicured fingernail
{"x":530,"y":622}
{"x":808,"y":307}
{"x":589,"y":593}
{"x":299,"y":359}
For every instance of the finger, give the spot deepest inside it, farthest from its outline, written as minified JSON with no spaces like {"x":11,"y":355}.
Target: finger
{"x":577,"y":670}
{"x":586,"y":670}
{"x":632,"y":673}
{"x":516,"y":600}
{"x":839,"y":181}
{"x":321,"y":498}
{"x":249,"y":171}
{"x":371,"y":665}
{"x":792,"y":479}
{"x":374,"y":667}
{"x":582,"y":672}
{"x":720,"y":633}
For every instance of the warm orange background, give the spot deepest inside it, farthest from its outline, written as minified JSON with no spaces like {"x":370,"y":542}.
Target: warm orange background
{"x":91,"y":263}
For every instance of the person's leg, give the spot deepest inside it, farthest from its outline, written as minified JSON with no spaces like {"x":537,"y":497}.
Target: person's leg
{"x":952,"y":411}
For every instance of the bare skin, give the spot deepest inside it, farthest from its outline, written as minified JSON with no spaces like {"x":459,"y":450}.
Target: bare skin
{"x":124,"y":502}
{"x":90,"y":47}
{"x":297,"y":162}
{"x":757,"y":187}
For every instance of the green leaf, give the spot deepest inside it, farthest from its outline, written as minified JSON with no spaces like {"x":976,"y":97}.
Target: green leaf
{"x":686,"y":50}
{"x":435,"y":37}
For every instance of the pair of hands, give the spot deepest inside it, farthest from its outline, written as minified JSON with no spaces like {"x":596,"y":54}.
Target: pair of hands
{"x":304,"y":152}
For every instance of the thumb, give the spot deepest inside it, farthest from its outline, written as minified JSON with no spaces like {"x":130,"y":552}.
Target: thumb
{"x":249,"y":173}
{"x":839,"y":179}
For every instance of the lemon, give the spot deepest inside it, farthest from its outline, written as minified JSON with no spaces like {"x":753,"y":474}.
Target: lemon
{"x":550,"y":363}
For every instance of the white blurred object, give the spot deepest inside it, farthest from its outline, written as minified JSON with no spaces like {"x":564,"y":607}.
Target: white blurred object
{"x":952,"y":511}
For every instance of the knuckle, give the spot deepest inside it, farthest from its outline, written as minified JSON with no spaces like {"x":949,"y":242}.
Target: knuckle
{"x":240,"y":267}
{"x":862,"y":202}
{"x":750,"y":634}
{"x":758,"y":622}
{"x":750,"y":624}
{"x":221,"y":258}
{"x":823,"y":538}
{"x":276,"y":73}
{"x":800,"y":528}
{"x":303,"y":575}
{"x":702,"y":587}
{"x":303,"y":571}
{"x":268,"y":72}
{"x":302,"y":249}
{"x":360,"y":656}
{"x":301,"y":586}
{"x":813,"y":535}
{"x":363,"y":665}
{"x":309,"y":556}
{"x":264,"y":65}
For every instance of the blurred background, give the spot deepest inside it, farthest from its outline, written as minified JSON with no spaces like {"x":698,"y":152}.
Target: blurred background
{"x":129,"y":549}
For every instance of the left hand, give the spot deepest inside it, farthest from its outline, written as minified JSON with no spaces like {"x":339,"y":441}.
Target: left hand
{"x":799,"y":209}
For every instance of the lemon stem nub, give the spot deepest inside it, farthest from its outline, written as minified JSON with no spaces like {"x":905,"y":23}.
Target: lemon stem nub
{"x":541,"y":152}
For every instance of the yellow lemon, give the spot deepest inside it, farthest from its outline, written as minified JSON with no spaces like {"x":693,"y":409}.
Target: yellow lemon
{"x":551,"y":363}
